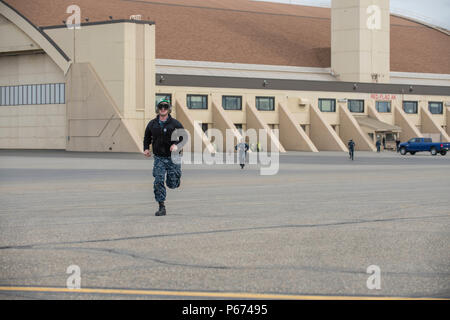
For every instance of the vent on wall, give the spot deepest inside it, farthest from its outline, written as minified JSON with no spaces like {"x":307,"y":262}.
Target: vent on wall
{"x":303,"y":102}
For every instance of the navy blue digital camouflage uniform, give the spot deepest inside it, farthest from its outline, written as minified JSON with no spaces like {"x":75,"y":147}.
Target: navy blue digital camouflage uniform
{"x":351,"y":149}
{"x":165,"y":170}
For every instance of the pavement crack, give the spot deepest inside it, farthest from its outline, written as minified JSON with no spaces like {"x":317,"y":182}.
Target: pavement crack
{"x":181,"y":234}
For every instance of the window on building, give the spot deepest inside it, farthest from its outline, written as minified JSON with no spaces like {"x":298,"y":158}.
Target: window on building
{"x":436,"y":107}
{"x":2,"y":96}
{"x":16,"y":95}
{"x":33,"y":94}
{"x":57,"y":93}
{"x":44,"y":99}
{"x":38,"y":94}
{"x":356,"y":106}
{"x":265,"y":103}
{"x":410,"y":106}
{"x":327,"y":105}
{"x":29,"y":94}
{"x":383,"y":106}
{"x":232,"y":102}
{"x":62,"y":92}
{"x":197,"y":101}
{"x":20,"y":102}
{"x":47,"y":94}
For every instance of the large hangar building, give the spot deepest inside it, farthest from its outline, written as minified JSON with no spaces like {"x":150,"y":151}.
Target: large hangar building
{"x":321,"y":76}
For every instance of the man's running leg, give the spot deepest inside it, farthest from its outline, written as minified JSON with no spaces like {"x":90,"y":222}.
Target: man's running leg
{"x":173,"y":174}
{"x":159,"y":172}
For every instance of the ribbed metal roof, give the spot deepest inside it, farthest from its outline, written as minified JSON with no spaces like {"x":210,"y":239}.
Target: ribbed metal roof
{"x":376,"y":125}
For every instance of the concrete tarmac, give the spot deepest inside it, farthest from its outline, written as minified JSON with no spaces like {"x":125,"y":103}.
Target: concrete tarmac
{"x":313,"y":229}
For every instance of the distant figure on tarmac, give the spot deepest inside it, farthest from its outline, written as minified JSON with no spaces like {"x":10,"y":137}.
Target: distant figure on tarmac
{"x":159,"y":134}
{"x":242,"y":149}
{"x":378,"y":144}
{"x":397,"y":143}
{"x":384,"y":143}
{"x":351,"y":149}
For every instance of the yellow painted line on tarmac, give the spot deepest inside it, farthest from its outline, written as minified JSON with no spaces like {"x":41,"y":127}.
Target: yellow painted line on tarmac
{"x":218,"y":295}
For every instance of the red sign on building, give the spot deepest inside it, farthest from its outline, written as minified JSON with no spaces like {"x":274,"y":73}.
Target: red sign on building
{"x":383,"y":96}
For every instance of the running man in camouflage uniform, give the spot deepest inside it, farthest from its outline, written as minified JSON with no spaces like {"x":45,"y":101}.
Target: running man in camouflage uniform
{"x":165,"y":170}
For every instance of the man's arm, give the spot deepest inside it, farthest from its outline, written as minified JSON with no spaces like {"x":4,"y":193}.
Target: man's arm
{"x":147,"y":140}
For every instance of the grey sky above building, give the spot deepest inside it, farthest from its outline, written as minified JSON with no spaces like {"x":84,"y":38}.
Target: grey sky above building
{"x":436,"y":12}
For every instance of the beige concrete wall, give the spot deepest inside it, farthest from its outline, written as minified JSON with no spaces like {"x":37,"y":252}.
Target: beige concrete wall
{"x":350,"y":129}
{"x":29,"y":69}
{"x":292,"y":136}
{"x":255,"y":121}
{"x":33,"y":127}
{"x":23,"y":27}
{"x":139,"y":76}
{"x":387,"y":117}
{"x":103,"y":46}
{"x":409,"y":129}
{"x":299,"y":110}
{"x":29,"y":126}
{"x":448,"y":119}
{"x":196,"y":132}
{"x":372,"y":112}
{"x":357,"y":52}
{"x":322,"y":134}
{"x":301,"y":114}
{"x":123,"y":56}
{"x":13,"y":39}
{"x":150,"y":70}
{"x":201,"y":116}
{"x":429,"y":125}
{"x":223,"y":123}
{"x":94,"y":121}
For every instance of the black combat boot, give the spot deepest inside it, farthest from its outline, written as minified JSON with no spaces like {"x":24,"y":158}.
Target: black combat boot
{"x":162,"y":210}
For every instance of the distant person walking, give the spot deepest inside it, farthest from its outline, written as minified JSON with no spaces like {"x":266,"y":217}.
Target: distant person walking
{"x":351,"y":149}
{"x":159,"y":134}
{"x":397,"y":144}
{"x":242,"y":149}
{"x":384,"y":143}
{"x":378,"y":144}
